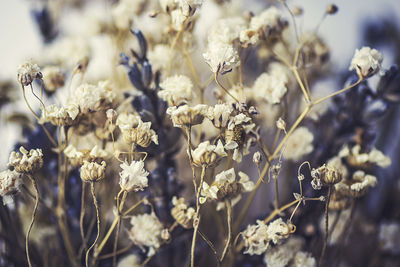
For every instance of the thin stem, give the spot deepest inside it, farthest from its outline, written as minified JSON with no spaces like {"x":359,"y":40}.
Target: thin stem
{"x":210,"y":244}
{"x":122,"y":250}
{"x":191,"y":66}
{"x":98,"y":223}
{"x":281,"y":209}
{"x":112,"y":227}
{"x":223,"y":88}
{"x":229,"y":219}
{"x":276,"y":201}
{"x":337,"y":92}
{"x":197,"y":215}
{"x":32,"y":218}
{"x":82,"y":215}
{"x":321,"y":259}
{"x":171,"y":52}
{"x":119,"y":208}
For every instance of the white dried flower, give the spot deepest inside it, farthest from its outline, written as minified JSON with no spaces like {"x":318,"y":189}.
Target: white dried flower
{"x":131,"y":260}
{"x":178,"y":17}
{"x":74,"y":155}
{"x":186,"y":115}
{"x":226,"y":30}
{"x":220,"y":114}
{"x":298,"y":144}
{"x":366,"y":61}
{"x":188,"y":5}
{"x":257,"y":157}
{"x":182,"y":213}
{"x":159,"y":57}
{"x":270,"y":87}
{"x":303,"y":259}
{"x":26,"y":162}
{"x":10,"y":182}
{"x":60,"y":116}
{"x":380,"y":159}
{"x":146,"y":232}
{"x":133,"y":177}
{"x":91,"y":97}
{"x":221,"y":56}
{"x":281,"y":255}
{"x":28,"y":72}
{"x":269,"y":20}
{"x":176,"y":90}
{"x":122,"y":13}
{"x":363,"y":181}
{"x":134,"y":130}
{"x":257,"y":238}
{"x":281,"y":124}
{"x":93,"y":171}
{"x":389,"y":237}
{"x":53,"y":78}
{"x":206,"y":154}
{"x":226,"y":187}
{"x":356,"y":158}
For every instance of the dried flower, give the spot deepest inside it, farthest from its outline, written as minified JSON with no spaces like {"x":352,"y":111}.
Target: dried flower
{"x":281,"y":124}
{"x":221,"y":56}
{"x":26,"y":162}
{"x":134,"y":130}
{"x":131,"y":260}
{"x":257,"y":157}
{"x":220,"y":114}
{"x":10,"y":182}
{"x":366,"y":62}
{"x":328,"y":175}
{"x":133,"y":177}
{"x":331,"y":9}
{"x":226,"y":187}
{"x":60,"y":116}
{"x":303,"y":259}
{"x":53,"y":78}
{"x":182,"y":213}
{"x":257,"y":238}
{"x":176,"y":90}
{"x":93,"y":171}
{"x":284,"y":253}
{"x":298,"y":144}
{"x":28,"y":72}
{"x":206,"y":154}
{"x":186,"y":115}
{"x":146,"y":231}
{"x":389,"y":237}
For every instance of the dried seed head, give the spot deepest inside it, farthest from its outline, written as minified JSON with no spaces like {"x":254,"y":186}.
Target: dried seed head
{"x":329,"y":175}
{"x":165,"y":234}
{"x":238,"y":135}
{"x":92,"y":171}
{"x":26,"y":162}
{"x":28,"y":72}
{"x":182,"y":213}
{"x":281,"y":124}
{"x":331,"y":9}
{"x":257,"y":158}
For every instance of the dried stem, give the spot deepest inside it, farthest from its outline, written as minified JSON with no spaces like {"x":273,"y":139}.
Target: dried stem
{"x":32,"y":218}
{"x":82,"y":215}
{"x":98,"y":223}
{"x":197,"y":216}
{"x":229,"y":219}
{"x":321,"y":259}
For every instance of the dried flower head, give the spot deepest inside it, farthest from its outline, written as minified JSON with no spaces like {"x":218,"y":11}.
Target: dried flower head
{"x":176,"y":90}
{"x":182,"y":213}
{"x":328,"y":175}
{"x":206,"y":154}
{"x":26,"y":161}
{"x":93,"y":171}
{"x":357,"y":186}
{"x":60,"y":116}
{"x":220,"y":114}
{"x":28,"y":72}
{"x":226,"y":187}
{"x":257,"y":238}
{"x":332,"y":9}
{"x":222,"y":57}
{"x":298,"y":144}
{"x":9,"y":184}
{"x":146,"y":232}
{"x":366,"y":62}
{"x":186,"y":115}
{"x":133,"y":177}
{"x":284,"y":253}
{"x":53,"y":78}
{"x":134,"y":130}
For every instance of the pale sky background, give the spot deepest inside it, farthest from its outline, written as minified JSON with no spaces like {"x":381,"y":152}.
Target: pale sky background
{"x":20,"y":40}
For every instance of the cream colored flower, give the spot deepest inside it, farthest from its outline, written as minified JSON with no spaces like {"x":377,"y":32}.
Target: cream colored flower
{"x":298,"y":144}
{"x":206,"y":154}
{"x":133,"y":177}
{"x":28,"y":72}
{"x":146,"y":232}
{"x":176,"y":90}
{"x":182,"y":213}
{"x":366,"y":61}
{"x":221,"y":56}
{"x":26,"y":162}
{"x":220,"y":114}
{"x":10,"y":182}
{"x":186,"y":115}
{"x":93,"y":171}
{"x":60,"y":116}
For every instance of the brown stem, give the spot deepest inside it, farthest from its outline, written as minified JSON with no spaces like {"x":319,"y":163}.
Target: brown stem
{"x":33,"y":218}
{"x":326,"y":227}
{"x":98,"y":223}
